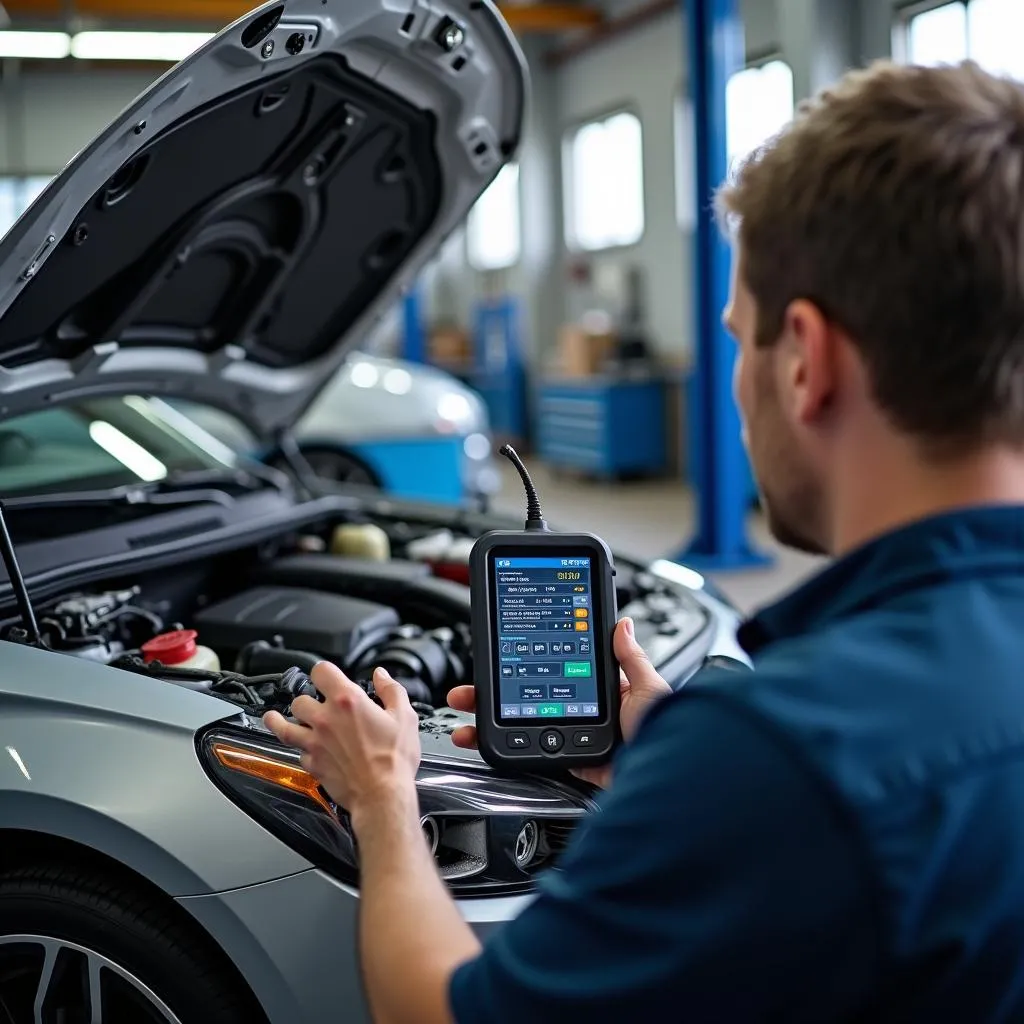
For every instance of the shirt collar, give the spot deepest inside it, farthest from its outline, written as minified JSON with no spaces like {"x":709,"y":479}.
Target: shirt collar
{"x":964,"y":543}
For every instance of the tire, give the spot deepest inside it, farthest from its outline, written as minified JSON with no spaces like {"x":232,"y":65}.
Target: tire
{"x":148,"y":957}
{"x":340,"y":467}
{"x":334,"y":464}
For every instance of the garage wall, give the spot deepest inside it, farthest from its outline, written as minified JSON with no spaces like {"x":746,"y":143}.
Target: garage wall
{"x":644,"y":72}
{"x":46,"y":116}
{"x":640,"y":71}
{"x":452,"y":286}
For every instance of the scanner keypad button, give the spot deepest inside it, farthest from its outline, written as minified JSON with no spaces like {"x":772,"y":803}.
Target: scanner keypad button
{"x":551,"y":741}
{"x":518,"y":740}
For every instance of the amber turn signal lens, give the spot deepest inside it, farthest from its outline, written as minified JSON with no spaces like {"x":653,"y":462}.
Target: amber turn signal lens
{"x":280,"y":773}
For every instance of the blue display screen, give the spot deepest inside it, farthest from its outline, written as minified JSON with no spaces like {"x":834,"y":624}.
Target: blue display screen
{"x":546,"y":662}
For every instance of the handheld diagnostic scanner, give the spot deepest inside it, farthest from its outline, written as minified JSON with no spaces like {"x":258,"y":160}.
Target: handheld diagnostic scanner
{"x":543,"y":615}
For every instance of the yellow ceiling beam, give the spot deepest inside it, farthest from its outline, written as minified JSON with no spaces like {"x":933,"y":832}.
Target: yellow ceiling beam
{"x":550,"y":17}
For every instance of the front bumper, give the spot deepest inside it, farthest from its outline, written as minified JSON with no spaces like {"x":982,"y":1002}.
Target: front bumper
{"x":295,"y":942}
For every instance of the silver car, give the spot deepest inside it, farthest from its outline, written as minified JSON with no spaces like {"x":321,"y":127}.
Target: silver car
{"x":226,"y":241}
{"x":413,"y":431}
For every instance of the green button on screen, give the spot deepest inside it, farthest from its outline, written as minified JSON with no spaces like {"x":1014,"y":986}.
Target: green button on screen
{"x":577,"y":668}
{"x":550,"y":710}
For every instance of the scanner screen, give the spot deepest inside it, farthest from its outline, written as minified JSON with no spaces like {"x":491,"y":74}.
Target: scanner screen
{"x":545,"y":618}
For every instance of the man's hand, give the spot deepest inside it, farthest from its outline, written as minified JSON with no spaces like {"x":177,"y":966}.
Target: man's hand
{"x":640,"y":685}
{"x":364,"y":756}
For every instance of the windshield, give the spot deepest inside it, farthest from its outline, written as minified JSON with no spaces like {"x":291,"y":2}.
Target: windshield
{"x":106,"y":442}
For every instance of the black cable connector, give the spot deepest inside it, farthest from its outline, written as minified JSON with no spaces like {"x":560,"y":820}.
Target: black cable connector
{"x":534,"y":516}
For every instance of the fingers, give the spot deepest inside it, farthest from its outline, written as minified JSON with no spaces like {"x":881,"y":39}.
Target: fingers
{"x":393,"y":695}
{"x":291,"y":734}
{"x":305,"y":709}
{"x":330,"y":680}
{"x":465,"y":737}
{"x":633,"y":660}
{"x":462,"y":698}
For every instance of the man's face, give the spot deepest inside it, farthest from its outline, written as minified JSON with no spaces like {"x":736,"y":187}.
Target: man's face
{"x":791,"y":488}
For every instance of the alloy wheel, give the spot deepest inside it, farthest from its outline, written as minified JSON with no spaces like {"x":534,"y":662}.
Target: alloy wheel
{"x":48,"y":980}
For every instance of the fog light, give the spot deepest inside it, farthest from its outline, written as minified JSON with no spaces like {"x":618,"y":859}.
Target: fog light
{"x":526,"y":845}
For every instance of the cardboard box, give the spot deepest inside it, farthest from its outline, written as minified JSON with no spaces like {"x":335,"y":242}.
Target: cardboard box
{"x":450,"y":347}
{"x":583,"y":352}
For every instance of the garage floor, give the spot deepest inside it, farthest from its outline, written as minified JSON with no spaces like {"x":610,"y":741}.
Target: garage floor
{"x":650,"y":520}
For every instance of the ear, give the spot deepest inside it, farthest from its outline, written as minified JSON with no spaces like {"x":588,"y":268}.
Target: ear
{"x":808,"y":365}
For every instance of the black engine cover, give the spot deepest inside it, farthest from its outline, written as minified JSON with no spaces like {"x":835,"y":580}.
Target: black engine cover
{"x":327,"y":624}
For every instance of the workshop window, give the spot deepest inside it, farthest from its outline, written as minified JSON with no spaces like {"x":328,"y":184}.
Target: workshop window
{"x":685,"y":161}
{"x":604,"y":178}
{"x":759,"y":102}
{"x":986,"y":31}
{"x":493,"y":238}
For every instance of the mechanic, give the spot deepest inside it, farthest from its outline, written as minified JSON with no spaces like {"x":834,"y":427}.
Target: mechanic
{"x":840,"y":834}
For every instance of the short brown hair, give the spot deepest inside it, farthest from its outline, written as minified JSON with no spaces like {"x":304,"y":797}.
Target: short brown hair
{"x":895,"y":202}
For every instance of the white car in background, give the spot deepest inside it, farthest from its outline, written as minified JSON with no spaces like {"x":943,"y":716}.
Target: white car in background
{"x":410,"y":430}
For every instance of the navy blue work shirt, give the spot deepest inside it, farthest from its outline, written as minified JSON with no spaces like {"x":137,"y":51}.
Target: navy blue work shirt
{"x":836,"y":836}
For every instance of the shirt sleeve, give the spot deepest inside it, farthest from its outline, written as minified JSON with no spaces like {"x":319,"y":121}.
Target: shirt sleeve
{"x":718,"y":882}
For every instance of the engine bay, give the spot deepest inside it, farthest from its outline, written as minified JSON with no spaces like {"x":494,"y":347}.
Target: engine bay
{"x":249,"y":625}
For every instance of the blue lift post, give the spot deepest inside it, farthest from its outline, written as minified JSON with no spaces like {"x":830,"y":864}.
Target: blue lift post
{"x":414,"y":331}
{"x":720,"y":471}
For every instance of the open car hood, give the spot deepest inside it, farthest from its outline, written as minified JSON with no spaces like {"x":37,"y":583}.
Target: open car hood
{"x":252,"y":215}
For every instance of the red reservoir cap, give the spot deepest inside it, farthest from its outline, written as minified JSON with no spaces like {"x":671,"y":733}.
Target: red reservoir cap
{"x":170,"y":648}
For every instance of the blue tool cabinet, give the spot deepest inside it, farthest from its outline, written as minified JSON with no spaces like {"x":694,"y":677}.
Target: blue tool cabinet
{"x":603,"y":425}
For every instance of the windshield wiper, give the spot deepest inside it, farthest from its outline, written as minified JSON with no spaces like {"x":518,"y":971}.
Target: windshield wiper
{"x":188,"y":487}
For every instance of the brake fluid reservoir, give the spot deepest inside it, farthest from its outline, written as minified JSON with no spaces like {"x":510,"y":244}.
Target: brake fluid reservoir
{"x":179,"y":648}
{"x":361,"y":540}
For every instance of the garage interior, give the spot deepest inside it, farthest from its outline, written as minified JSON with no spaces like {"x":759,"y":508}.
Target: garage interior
{"x":575,"y":300}
{"x":210,"y":498}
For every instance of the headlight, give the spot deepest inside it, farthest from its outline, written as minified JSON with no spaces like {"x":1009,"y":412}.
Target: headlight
{"x":488,"y":835}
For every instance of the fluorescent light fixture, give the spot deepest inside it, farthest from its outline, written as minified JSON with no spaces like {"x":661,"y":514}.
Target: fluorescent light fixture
{"x":163,"y":46}
{"x":35,"y":45}
{"x":129,"y":453}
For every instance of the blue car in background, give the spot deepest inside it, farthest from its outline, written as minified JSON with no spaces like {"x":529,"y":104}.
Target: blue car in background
{"x":412,"y":431}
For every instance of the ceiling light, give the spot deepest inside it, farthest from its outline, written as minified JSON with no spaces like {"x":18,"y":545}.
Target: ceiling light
{"x":35,"y":45}
{"x":163,"y":46}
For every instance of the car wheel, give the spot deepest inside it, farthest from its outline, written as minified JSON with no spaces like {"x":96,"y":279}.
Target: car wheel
{"x":79,"y":948}
{"x":340,"y":466}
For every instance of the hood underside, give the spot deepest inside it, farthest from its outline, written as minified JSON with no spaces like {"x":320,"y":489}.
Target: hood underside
{"x":252,"y":215}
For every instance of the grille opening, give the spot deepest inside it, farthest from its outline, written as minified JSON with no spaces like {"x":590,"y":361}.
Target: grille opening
{"x":555,"y":834}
